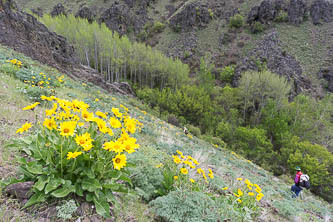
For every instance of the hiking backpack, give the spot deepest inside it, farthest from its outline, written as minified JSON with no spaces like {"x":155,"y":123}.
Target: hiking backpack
{"x":305,"y":181}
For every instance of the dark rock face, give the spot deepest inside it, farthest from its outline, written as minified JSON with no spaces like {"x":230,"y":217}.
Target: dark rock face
{"x":321,"y":10}
{"x":266,"y":12}
{"x":58,"y":9}
{"x":38,"y":11}
{"x":121,"y":18}
{"x":25,"y":34}
{"x":297,"y":11}
{"x":277,"y":61}
{"x":190,"y":15}
{"x":85,"y":13}
{"x":327,"y":74}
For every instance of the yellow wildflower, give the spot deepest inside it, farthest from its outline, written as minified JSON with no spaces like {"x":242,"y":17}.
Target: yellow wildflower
{"x":250,"y":194}
{"x":184,"y":171}
{"x":101,"y":114}
{"x":192,"y":180}
{"x":114,"y":123}
{"x":239,"y":201}
{"x":31,"y":106}
{"x":96,"y":99}
{"x":259,"y":196}
{"x":159,"y":165}
{"x":116,"y":112}
{"x":210,"y":174}
{"x":25,"y":127}
{"x":176,"y":159}
{"x":50,"y":124}
{"x":71,"y":155}
{"x":67,"y":128}
{"x":239,"y":179}
{"x":119,"y":161}
{"x":175,"y":177}
{"x":225,"y":188}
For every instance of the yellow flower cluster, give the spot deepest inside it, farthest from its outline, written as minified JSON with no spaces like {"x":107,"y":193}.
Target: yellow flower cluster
{"x":250,"y":188}
{"x":42,"y":82}
{"x":61,"y":79}
{"x":25,"y":127}
{"x":16,"y":62}
{"x":71,"y":119}
{"x":188,"y":162}
{"x":31,"y":107}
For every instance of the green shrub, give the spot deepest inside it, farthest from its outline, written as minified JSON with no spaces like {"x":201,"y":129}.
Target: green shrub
{"x":227,"y":73}
{"x":66,"y":210}
{"x":194,"y":130}
{"x":183,"y":206}
{"x":237,"y":21}
{"x":158,"y":27}
{"x":34,"y":93}
{"x":282,"y":17}
{"x":257,"y":27}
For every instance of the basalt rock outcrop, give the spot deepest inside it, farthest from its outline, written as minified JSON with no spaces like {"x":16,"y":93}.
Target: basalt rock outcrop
{"x":266,"y":12}
{"x":190,"y":15}
{"x":269,"y":51}
{"x":297,"y":11}
{"x":58,"y":9}
{"x":121,"y":17}
{"x":321,"y":10}
{"x":86,"y":13}
{"x":22,"y":32}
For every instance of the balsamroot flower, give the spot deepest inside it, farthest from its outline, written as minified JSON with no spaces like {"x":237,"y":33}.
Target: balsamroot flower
{"x":25,"y":127}
{"x":119,"y":161}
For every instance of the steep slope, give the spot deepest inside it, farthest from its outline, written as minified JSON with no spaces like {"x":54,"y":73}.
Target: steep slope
{"x":158,"y":141}
{"x":195,"y":28}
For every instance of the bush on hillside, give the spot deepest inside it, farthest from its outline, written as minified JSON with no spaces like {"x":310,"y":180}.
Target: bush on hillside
{"x":227,"y":73}
{"x":257,"y":27}
{"x":185,"y":206}
{"x":237,"y":21}
{"x":194,"y":130}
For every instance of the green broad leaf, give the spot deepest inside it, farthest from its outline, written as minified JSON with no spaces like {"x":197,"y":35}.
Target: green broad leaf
{"x":89,"y":197}
{"x":52,"y":185}
{"x":112,"y":187}
{"x":109,"y":196}
{"x":102,"y":207}
{"x":35,"y":198}
{"x":24,"y":170}
{"x":42,"y":181}
{"x":34,"y":168}
{"x":63,"y":192}
{"x":125,"y":178}
{"x":78,"y":189}
{"x":91,"y":184}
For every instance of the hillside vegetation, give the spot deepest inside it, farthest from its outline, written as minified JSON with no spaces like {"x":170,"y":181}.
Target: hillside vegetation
{"x":154,"y":171}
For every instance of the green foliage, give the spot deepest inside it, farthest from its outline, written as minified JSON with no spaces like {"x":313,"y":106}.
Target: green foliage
{"x":314,"y":160}
{"x":66,"y":210}
{"x":34,"y":93}
{"x":116,"y":56}
{"x":194,"y":130}
{"x":257,"y":27}
{"x":205,"y":77}
{"x":253,"y":144}
{"x":227,"y":73}
{"x":237,"y":21}
{"x":184,"y":206}
{"x":258,"y":87}
{"x":282,"y":17}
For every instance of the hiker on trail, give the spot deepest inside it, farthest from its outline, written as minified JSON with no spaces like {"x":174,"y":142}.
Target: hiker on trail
{"x":185,"y":130}
{"x":296,"y":188}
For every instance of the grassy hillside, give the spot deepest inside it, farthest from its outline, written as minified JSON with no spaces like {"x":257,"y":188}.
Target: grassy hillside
{"x":158,"y":141}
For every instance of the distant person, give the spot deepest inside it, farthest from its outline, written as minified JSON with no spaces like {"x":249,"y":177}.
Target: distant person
{"x":296,"y":188}
{"x":185,"y":130}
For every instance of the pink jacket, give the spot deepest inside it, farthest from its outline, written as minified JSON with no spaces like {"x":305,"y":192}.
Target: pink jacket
{"x":298,"y":177}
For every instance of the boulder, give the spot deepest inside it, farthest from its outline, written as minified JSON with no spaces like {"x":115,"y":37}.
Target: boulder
{"x":297,"y":11}
{"x":321,"y":10}
{"x":85,"y":13}
{"x":20,"y":190}
{"x":58,"y":9}
{"x":190,"y":15}
{"x":278,"y":61}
